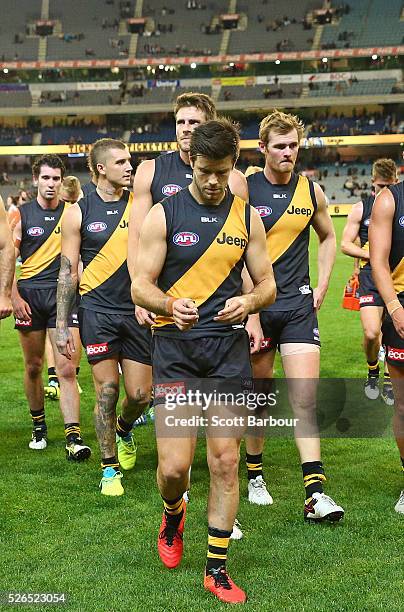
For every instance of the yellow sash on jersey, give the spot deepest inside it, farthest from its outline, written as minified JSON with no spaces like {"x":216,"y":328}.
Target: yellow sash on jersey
{"x":289,"y":226}
{"x":110,"y":258}
{"x":203,"y":279}
{"x":397,"y":276}
{"x":363,"y":262}
{"x":46,"y":254}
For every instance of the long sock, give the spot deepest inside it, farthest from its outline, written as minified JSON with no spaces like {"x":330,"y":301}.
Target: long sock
{"x":72,"y":431}
{"x":110,"y":462}
{"x":373,"y":368}
{"x":218,"y":544}
{"x":38,"y":418}
{"x":254,"y":465}
{"x":402,"y":464}
{"x":386,"y":379}
{"x":77,"y":371}
{"x":123,"y":428}
{"x":174,"y":510}
{"x":313,"y":478}
{"x":52,"y":376}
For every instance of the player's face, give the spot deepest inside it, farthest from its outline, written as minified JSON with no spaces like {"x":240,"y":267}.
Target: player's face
{"x":117,"y":168}
{"x":379,"y":184}
{"x":211,"y":177}
{"x":281,"y":151}
{"x":186,"y":120}
{"x":49,"y":182}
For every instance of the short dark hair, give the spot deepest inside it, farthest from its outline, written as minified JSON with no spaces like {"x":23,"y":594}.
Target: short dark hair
{"x":53,"y":161}
{"x":99,"y":150}
{"x":216,"y":139}
{"x":200,"y":100}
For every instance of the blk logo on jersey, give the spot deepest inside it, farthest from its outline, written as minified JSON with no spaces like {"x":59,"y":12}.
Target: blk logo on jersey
{"x":185,"y":239}
{"x":280,"y":196}
{"x":97,"y":349}
{"x":49,"y":218}
{"x":401,"y":221}
{"x":97,"y":226}
{"x":112,"y":212}
{"x":225,"y":239}
{"x":171,"y":189}
{"x":264,"y":211}
{"x":209,"y":219}
{"x":295,"y":210}
{"x":35,"y":231}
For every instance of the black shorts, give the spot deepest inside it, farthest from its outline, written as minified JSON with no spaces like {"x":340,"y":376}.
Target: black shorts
{"x":43,"y":308}
{"x":393,"y":343}
{"x":280,"y":327}
{"x":104,"y":335}
{"x":178,"y":363}
{"x":368,"y":294}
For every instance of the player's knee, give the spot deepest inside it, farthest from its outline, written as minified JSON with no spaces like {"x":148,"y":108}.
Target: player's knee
{"x":66,"y":371}
{"x":224,"y":463}
{"x":173,"y":469}
{"x":33,"y":367}
{"x":372,"y":334}
{"x":139,"y":399}
{"x":108,"y":395}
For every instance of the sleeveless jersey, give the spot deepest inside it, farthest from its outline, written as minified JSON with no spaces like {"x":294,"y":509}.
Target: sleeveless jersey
{"x":105,"y":282}
{"x":88,"y":188}
{"x":171,"y":175}
{"x":205,"y":257}
{"x":364,"y":229}
{"x":287,"y":212}
{"x":396,"y":258}
{"x":40,"y":245}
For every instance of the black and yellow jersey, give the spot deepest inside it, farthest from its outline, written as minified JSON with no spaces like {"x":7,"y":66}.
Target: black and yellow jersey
{"x":40,"y":244}
{"x":171,"y":174}
{"x":88,"y":188}
{"x":396,"y":258}
{"x":105,"y":282}
{"x":205,"y":256}
{"x":287,"y":212}
{"x":364,"y":228}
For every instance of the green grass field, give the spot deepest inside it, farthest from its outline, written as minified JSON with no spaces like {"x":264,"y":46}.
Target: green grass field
{"x":58,"y":534}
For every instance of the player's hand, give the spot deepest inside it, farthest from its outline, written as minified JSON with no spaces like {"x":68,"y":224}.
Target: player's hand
{"x":64,"y":341}
{"x":185,"y":313}
{"x":144,"y":317}
{"x":6,"y":307}
{"x":255,"y":333}
{"x":21,"y":308}
{"x":236,"y":310}
{"x":398,"y":320}
{"x":318,"y":297}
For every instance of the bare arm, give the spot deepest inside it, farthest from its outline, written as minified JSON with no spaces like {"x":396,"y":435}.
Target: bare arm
{"x":253,"y":325}
{"x":380,"y":235}
{"x":7,"y":264}
{"x":238,"y":184}
{"x":68,"y":278}
{"x":349,"y":244}
{"x":142,"y":203}
{"x":259,"y":267}
{"x":324,"y":229}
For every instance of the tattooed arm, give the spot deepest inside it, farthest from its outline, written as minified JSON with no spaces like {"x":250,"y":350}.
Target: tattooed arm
{"x":68,"y":278}
{"x":7,"y":264}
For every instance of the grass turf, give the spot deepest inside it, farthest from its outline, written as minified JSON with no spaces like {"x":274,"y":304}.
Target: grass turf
{"x":58,"y":534}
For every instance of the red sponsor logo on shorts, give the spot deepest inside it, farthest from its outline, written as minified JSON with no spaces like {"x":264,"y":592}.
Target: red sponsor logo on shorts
{"x":22,"y":323}
{"x":97,"y":349}
{"x":395,"y":354}
{"x":266,"y":344}
{"x":366,"y":299}
{"x":170,"y":388}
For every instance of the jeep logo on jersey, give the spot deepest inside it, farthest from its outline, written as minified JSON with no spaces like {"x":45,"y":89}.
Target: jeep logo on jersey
{"x":171,"y":189}
{"x":401,"y":221}
{"x":35,"y":231}
{"x":264,"y":211}
{"x":295,"y":210}
{"x":97,"y":226}
{"x":225,"y":239}
{"x":185,"y":239}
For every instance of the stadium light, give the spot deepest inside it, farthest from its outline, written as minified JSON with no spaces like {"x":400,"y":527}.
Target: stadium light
{"x":5,"y":70}
{"x":374,"y":56}
{"x":324,"y":60}
{"x":161,"y":67}
{"x":193,"y":65}
{"x":149,"y":68}
{"x":231,"y":64}
{"x":277,"y":62}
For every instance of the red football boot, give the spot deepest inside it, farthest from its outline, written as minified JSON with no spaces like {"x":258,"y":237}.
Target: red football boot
{"x":169,"y":543}
{"x":220,"y":584}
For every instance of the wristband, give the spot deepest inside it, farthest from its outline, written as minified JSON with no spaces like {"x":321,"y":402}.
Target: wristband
{"x":392,"y":306}
{"x":170,"y":304}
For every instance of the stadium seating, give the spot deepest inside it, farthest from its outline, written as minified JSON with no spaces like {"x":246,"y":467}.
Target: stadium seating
{"x":360,"y":88}
{"x":14,"y":17}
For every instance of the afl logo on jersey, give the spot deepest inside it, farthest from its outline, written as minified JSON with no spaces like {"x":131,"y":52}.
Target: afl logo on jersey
{"x":264,"y":211}
{"x":185,"y":239}
{"x":366,"y":222}
{"x":96,"y":226}
{"x":171,"y":189}
{"x":401,"y":221}
{"x":35,"y":231}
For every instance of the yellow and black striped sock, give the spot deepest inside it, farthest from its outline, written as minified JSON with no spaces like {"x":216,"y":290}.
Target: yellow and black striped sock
{"x":313,"y":478}
{"x":402,"y":464}
{"x":218,"y":544}
{"x":110,"y":462}
{"x":72,"y":431}
{"x":254,"y":465}
{"x":52,"y":376}
{"x":386,"y":379}
{"x":38,"y":418}
{"x":174,"y":510}
{"x":373,"y":368}
{"x":123,"y":428}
